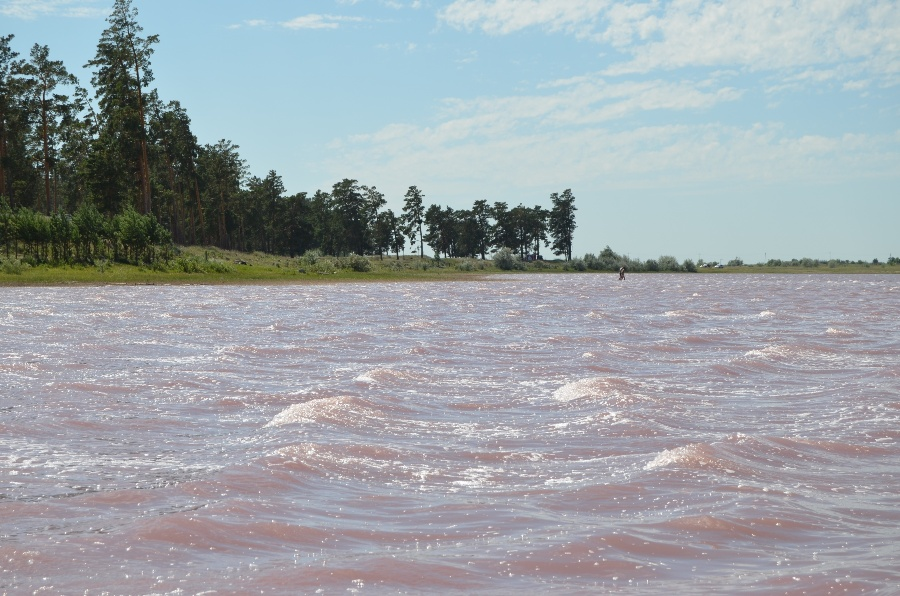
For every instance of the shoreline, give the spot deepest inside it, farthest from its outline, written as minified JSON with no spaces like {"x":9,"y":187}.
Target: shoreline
{"x":129,"y":275}
{"x":210,"y":266}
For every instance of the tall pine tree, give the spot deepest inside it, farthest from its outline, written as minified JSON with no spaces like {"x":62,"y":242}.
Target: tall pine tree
{"x":121,"y":70}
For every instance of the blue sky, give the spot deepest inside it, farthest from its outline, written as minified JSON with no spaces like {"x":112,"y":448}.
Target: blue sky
{"x":694,"y":128}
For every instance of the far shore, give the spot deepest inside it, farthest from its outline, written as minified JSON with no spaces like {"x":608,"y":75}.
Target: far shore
{"x":211,"y":266}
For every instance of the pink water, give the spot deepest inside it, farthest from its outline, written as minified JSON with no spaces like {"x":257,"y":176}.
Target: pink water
{"x":667,"y":434}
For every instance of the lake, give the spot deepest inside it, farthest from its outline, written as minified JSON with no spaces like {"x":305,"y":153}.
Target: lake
{"x":712,"y":434}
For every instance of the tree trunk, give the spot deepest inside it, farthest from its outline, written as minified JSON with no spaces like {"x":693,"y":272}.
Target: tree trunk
{"x":45,"y":142}
{"x":145,"y":160}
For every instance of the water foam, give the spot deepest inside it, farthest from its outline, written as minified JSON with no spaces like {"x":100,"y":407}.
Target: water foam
{"x":610,"y":390}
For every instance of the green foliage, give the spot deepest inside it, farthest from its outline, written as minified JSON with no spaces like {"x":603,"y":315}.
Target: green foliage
{"x":465,"y":265}
{"x":561,"y":222}
{"x":578,"y":264}
{"x":736,"y":262}
{"x":668,"y":263}
{"x":311,"y":257}
{"x":359,"y":263}
{"x":12,"y":266}
{"x":506,"y":260}
{"x":689,"y":266}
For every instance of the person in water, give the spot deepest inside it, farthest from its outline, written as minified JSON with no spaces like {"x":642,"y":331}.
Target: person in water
{"x":622,"y":272}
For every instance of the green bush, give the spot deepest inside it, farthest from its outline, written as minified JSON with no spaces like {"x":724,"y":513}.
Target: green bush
{"x":192,"y":265}
{"x":668,"y":263}
{"x":506,"y":260}
{"x":216,"y":266}
{"x":359,"y":263}
{"x":311,"y":257}
{"x":13,"y":266}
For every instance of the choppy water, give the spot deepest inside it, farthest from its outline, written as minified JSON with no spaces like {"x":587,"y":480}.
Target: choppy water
{"x":669,"y":434}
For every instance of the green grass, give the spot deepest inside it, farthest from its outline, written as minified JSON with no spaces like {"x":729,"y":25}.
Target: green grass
{"x":848,"y":268}
{"x":206,"y":265}
{"x":199,"y":265}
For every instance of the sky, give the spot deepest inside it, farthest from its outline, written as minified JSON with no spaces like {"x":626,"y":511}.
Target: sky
{"x":701,"y":129}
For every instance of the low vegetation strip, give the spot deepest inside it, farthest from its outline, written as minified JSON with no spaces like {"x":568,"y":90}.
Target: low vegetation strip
{"x":199,"y":265}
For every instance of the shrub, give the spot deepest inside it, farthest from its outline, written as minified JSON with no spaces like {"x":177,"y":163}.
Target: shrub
{"x":689,"y":266}
{"x":735,"y":262}
{"x":465,"y":265}
{"x":668,"y":263}
{"x":216,"y":266}
{"x":193,"y":265}
{"x":651,"y":265}
{"x":13,"y":267}
{"x":359,"y":263}
{"x":506,"y":260}
{"x":592,"y":262}
{"x":311,"y":257}
{"x":188,"y":265}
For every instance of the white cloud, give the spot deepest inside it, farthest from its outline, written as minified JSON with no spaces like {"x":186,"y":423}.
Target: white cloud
{"x":319,"y":21}
{"x":578,"y":102}
{"x":670,"y":34}
{"x":32,"y":9}
{"x":758,"y":35}
{"x":462,"y":163}
{"x":507,"y":16}
{"x":396,"y":5}
{"x":589,"y":132}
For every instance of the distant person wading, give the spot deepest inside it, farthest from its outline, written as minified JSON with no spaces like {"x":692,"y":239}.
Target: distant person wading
{"x":622,"y":272}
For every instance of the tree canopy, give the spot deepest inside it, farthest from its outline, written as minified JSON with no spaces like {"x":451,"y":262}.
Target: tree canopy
{"x":84,"y":172}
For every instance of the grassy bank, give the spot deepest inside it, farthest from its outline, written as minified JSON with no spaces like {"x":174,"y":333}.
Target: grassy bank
{"x":198,"y":265}
{"x":844,"y":268}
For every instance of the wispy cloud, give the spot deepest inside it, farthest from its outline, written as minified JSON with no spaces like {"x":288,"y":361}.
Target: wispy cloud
{"x":574,"y":103}
{"x":507,"y":16}
{"x":319,"y":21}
{"x":32,"y":9}
{"x":672,"y":34}
{"x":462,"y":164}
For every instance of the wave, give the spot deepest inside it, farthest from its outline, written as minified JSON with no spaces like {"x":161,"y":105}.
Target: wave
{"x":387,"y":376}
{"x":608,"y":390}
{"x":813,"y":358}
{"x":343,"y":411}
{"x":840,"y":332}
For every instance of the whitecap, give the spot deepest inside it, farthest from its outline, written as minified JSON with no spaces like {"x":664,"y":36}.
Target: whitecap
{"x":342,"y":410}
{"x":610,"y":390}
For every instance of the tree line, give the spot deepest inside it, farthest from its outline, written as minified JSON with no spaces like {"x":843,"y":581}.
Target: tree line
{"x":117,"y":170}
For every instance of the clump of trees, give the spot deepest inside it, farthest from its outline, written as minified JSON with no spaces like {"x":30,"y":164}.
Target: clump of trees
{"x":85,"y":236}
{"x":129,"y":158}
{"x":609,"y":260}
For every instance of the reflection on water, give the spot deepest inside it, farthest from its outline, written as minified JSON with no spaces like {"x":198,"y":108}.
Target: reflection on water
{"x":686,"y":433}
